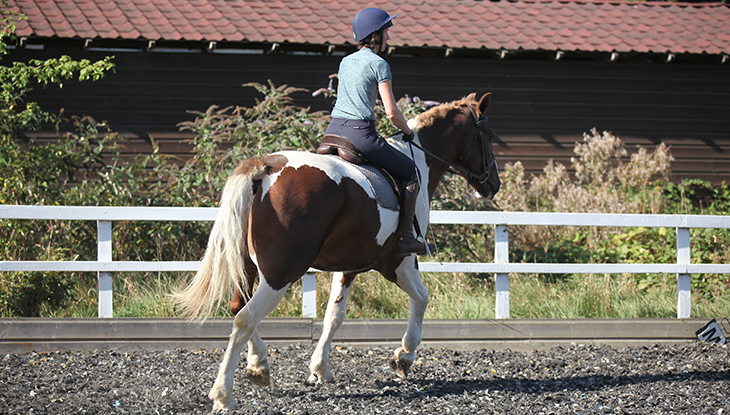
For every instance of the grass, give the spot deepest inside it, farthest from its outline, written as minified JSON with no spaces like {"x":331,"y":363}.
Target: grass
{"x":452,"y":296}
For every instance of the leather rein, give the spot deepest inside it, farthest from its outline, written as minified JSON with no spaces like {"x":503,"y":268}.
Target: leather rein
{"x":487,"y":162}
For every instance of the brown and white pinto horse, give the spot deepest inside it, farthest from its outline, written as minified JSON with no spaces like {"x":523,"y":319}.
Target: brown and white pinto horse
{"x":289,"y":211}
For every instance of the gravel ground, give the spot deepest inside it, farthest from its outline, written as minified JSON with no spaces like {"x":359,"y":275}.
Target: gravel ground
{"x":683,"y":379}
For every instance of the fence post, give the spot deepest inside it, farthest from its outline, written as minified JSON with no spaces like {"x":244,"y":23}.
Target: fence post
{"x":309,"y":295}
{"x":501,"y":281}
{"x":104,"y":246}
{"x":684,"y":281}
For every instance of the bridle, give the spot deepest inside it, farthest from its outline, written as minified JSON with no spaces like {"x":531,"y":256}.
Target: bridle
{"x":488,"y":159}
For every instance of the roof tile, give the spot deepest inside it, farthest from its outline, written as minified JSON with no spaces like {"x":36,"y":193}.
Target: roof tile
{"x":520,"y":24}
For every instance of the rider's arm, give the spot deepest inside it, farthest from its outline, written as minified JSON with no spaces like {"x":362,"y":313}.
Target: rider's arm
{"x":391,"y":107}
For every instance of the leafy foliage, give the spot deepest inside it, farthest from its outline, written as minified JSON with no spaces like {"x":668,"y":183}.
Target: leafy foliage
{"x":273,"y":124}
{"x":34,"y":174}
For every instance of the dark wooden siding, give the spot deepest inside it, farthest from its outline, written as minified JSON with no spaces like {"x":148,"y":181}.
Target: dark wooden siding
{"x":540,"y":108}
{"x":151,"y":92}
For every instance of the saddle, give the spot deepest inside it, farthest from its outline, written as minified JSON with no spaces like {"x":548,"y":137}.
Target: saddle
{"x":339,"y":146}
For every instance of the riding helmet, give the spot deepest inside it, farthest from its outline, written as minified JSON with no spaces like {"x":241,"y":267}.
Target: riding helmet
{"x":369,"y":21}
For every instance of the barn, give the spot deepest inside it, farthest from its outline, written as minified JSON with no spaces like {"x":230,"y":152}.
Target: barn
{"x":650,"y":72}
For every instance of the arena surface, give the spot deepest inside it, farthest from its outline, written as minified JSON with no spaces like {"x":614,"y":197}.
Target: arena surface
{"x":581,"y":379}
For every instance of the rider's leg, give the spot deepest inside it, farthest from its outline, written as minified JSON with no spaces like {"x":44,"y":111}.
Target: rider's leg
{"x":380,"y":153}
{"x":406,"y":243}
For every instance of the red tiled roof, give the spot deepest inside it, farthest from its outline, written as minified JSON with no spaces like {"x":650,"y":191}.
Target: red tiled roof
{"x":602,"y":26}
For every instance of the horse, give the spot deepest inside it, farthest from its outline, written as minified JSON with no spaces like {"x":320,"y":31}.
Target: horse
{"x":283,"y":213}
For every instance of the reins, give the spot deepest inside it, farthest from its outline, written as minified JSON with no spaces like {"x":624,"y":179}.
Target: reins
{"x":487,"y":162}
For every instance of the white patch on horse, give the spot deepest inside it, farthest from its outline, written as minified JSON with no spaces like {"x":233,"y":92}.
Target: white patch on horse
{"x":296,"y":159}
{"x":335,"y":170}
{"x":252,"y":255}
{"x":413,"y":125}
{"x":388,"y":224}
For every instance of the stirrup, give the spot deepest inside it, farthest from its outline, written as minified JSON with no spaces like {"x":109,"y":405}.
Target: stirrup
{"x":414,"y":247}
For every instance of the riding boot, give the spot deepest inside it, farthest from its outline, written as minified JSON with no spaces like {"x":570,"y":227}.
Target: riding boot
{"x":407,"y":244}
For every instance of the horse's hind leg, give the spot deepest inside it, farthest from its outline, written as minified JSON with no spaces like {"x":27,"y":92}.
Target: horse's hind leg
{"x":334,"y":316}
{"x":257,"y":367}
{"x":409,"y":280}
{"x":262,"y":303}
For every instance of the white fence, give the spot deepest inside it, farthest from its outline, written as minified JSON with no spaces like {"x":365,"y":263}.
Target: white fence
{"x":501,"y":267}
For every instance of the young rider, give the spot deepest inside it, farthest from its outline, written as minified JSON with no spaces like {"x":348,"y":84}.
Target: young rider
{"x":362,"y":75}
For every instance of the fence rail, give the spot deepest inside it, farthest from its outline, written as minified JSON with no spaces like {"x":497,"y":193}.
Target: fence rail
{"x":501,"y":267}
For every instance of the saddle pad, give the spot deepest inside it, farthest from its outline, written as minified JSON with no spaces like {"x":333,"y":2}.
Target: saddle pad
{"x":384,"y":193}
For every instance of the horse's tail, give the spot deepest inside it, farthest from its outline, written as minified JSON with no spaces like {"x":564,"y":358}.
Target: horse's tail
{"x":222,"y":270}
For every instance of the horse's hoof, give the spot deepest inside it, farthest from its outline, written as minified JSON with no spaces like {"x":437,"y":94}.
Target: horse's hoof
{"x":218,"y":393}
{"x":400,"y":367}
{"x":260,"y":377}
{"x":317,"y":379}
{"x":219,"y":405}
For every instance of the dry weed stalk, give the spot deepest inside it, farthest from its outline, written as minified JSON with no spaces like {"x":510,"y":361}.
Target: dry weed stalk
{"x":604,"y":180}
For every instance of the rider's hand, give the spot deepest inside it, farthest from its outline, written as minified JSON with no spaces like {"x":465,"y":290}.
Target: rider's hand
{"x":408,"y":137}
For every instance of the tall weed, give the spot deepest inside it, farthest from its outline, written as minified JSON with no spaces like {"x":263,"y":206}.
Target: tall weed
{"x":605,"y":181}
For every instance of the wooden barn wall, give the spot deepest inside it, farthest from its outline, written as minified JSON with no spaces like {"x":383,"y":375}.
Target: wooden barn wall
{"x":540,"y":108}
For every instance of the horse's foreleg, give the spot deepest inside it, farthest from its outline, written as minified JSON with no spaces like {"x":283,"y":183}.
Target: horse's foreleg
{"x":409,"y":280}
{"x":334,"y":316}
{"x":263,"y":302}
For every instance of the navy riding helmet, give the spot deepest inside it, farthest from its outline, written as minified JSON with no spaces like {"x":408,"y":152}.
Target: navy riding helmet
{"x":369,"y":21}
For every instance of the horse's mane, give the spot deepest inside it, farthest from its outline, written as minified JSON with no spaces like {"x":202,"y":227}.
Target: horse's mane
{"x":441,"y":117}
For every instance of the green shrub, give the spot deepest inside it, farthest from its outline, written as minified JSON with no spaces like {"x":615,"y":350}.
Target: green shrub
{"x":709,"y":246}
{"x":33,"y":174}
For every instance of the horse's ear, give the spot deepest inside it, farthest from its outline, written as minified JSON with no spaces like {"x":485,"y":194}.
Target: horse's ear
{"x":471,"y":97}
{"x":484,"y":102}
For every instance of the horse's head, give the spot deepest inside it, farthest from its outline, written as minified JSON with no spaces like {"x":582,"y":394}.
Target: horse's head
{"x":458,"y":135}
{"x":478,"y":160}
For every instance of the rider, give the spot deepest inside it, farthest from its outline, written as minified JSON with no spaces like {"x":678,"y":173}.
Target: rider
{"x":362,"y":75}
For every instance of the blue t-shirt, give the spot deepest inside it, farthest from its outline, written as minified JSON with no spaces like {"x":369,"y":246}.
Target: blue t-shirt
{"x":359,"y":76}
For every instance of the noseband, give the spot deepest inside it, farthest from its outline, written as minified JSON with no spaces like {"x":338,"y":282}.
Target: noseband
{"x":487,"y":162}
